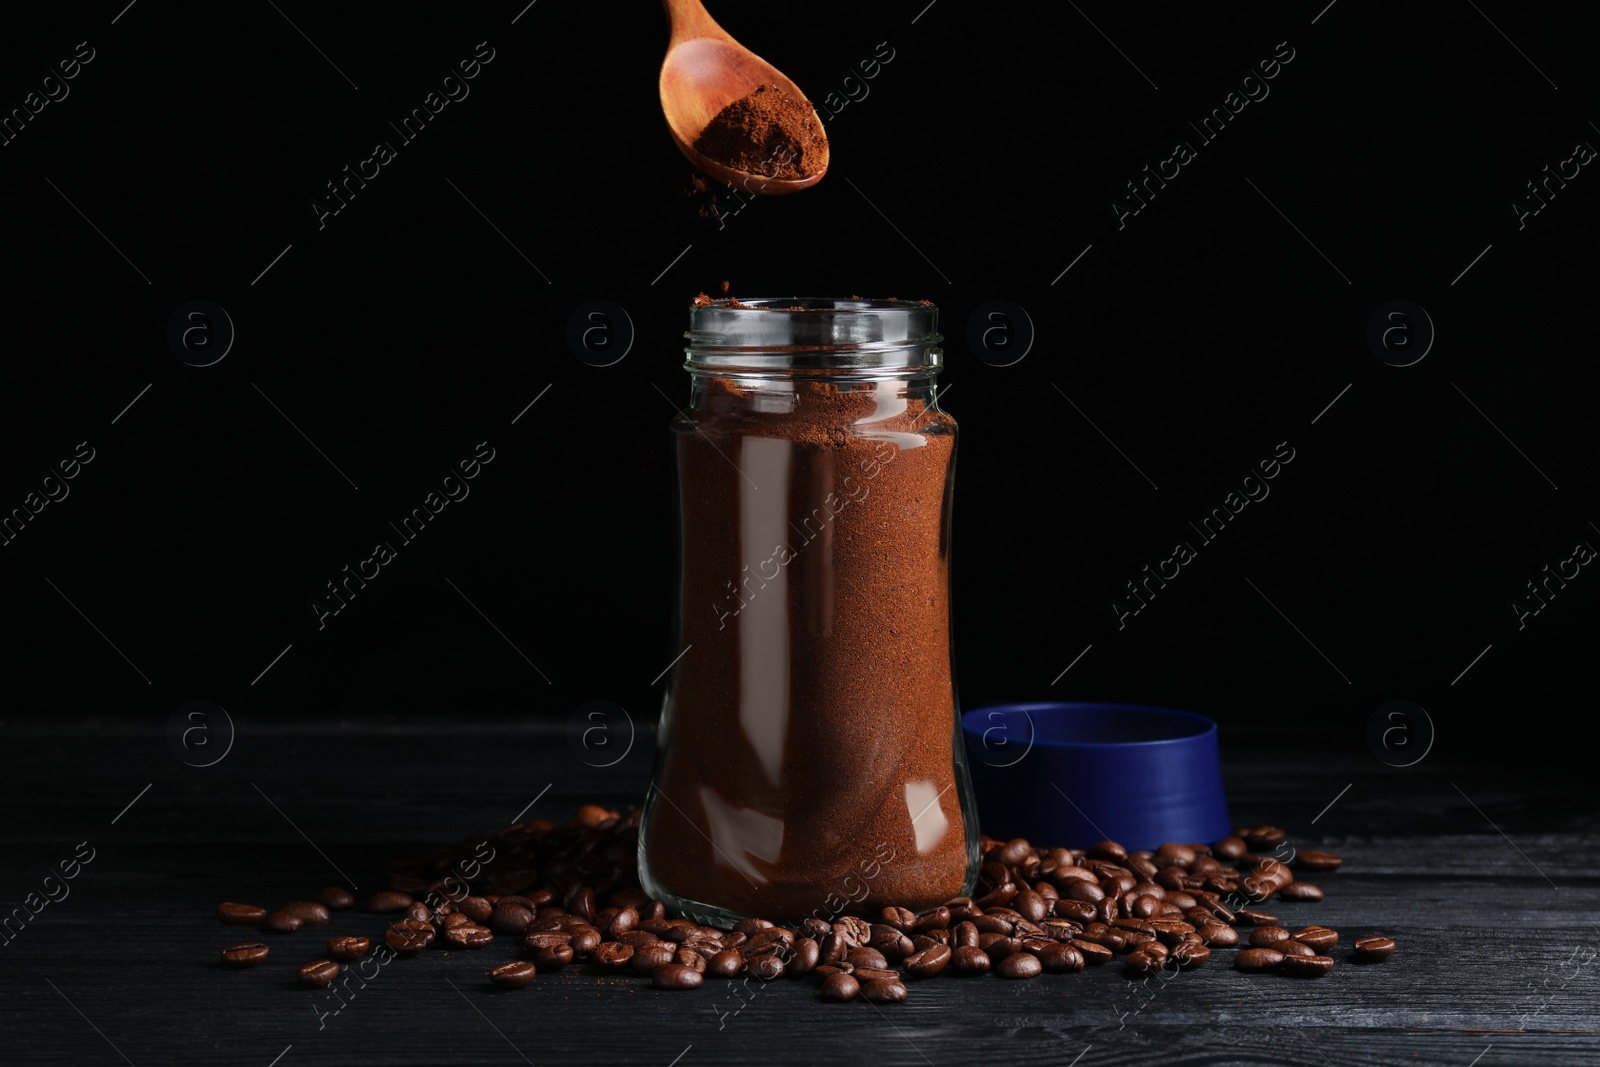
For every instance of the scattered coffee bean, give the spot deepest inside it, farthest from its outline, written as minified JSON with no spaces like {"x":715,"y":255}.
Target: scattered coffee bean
{"x":1300,"y":891}
{"x":245,"y":954}
{"x":677,"y":976}
{"x":1373,"y":949}
{"x":868,"y":974}
{"x":1318,"y":937}
{"x":311,"y":912}
{"x":409,"y":936}
{"x":282,"y":922}
{"x":513,"y":975}
{"x":348,"y":948}
{"x":1093,"y":954}
{"x":842,"y":987}
{"x":1019,"y":965}
{"x":240,"y":914}
{"x":336,"y":898}
{"x":556,"y":957}
{"x":969,"y":959}
{"x":388,"y":901}
{"x":470,"y":935}
{"x":646,"y":958}
{"x":1265,"y":936}
{"x":1307,"y":966}
{"x":766,"y":966}
{"x":1059,"y":957}
{"x":1292,"y":947}
{"x":1258,"y":959}
{"x":614,"y":955}
{"x":929,"y":962}
{"x":1252,"y":917}
{"x":1315,"y":859}
{"x":887,"y":990}
{"x":317,"y":973}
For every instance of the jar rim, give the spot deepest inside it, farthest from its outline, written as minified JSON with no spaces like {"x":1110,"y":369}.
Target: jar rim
{"x":833,"y":336}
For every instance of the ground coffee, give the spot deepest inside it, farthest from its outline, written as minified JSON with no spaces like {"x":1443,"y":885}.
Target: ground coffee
{"x":766,"y":132}
{"x":809,"y":761}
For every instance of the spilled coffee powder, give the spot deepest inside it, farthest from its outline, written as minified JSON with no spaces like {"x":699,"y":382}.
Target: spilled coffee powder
{"x":767,"y":132}
{"x":810,"y":731}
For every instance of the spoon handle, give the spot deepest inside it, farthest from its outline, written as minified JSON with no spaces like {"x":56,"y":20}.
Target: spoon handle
{"x":690,"y":19}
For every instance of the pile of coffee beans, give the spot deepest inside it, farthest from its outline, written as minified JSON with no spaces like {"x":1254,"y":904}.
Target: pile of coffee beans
{"x":569,"y":895}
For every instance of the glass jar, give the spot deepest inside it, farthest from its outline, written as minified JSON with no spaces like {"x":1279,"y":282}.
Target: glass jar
{"x":810,"y":759}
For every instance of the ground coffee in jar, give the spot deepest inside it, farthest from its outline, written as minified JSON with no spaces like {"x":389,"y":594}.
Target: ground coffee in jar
{"x":810,"y":761}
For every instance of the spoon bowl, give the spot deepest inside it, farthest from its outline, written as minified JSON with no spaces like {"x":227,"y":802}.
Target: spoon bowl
{"x":706,"y":70}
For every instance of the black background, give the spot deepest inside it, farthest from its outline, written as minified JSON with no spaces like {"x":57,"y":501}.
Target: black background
{"x":979,"y":166}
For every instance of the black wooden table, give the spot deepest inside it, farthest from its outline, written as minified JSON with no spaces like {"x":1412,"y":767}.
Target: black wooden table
{"x":1485,"y":877}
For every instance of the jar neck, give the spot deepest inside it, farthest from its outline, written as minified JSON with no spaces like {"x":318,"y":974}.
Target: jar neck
{"x":816,"y":339}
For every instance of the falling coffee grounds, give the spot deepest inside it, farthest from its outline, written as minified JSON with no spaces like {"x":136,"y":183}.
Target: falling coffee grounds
{"x":767,"y":132}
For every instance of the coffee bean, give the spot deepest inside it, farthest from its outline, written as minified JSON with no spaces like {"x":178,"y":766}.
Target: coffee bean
{"x":840,"y":987}
{"x":1032,"y":906}
{"x":510,"y":919}
{"x":824,"y":970}
{"x":1093,"y":954}
{"x":1144,"y":961}
{"x":556,"y":957}
{"x":893,"y":944}
{"x":420,"y":912}
{"x":899,"y":918}
{"x":1262,"y":838}
{"x":995,"y":924}
{"x":1373,"y":949}
{"x":866,"y":957}
{"x":1307,"y":966}
{"x":1088,"y":892}
{"x":1265,"y":936}
{"x":1019,"y":965}
{"x":245,"y":954}
{"x":1108,"y":850}
{"x":1252,"y":917}
{"x":282,"y":922}
{"x":388,"y":901}
{"x":805,"y":956}
{"x":886,"y":990}
{"x":409,"y":936}
{"x":868,"y":974}
{"x":1315,"y":859}
{"x":470,"y":936}
{"x":1076,"y":910}
{"x":1258,"y":959}
{"x":725,"y":964}
{"x":1219,"y":935}
{"x":317,"y":973}
{"x":969,"y":959}
{"x":475,"y":908}
{"x":513,"y":975}
{"x":1300,"y":891}
{"x":1291,"y":947}
{"x":1058,"y":957}
{"x":348,"y":948}
{"x":1229,"y":848}
{"x":240,"y":914}
{"x":963,"y":934}
{"x":1189,"y":954}
{"x":676,"y":976}
{"x":1318,"y":937}
{"x":688,"y":957}
{"x":585,"y":939}
{"x":928,"y":962}
{"x":311,"y":912}
{"x":336,"y":898}
{"x":613,"y":955}
{"x":766,"y":966}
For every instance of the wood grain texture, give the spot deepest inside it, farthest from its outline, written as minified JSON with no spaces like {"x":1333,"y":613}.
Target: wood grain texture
{"x":1494,"y":960}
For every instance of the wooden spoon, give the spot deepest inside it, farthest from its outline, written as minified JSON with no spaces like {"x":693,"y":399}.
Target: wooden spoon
{"x":705,"y":71}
